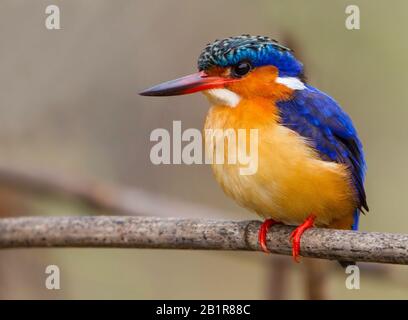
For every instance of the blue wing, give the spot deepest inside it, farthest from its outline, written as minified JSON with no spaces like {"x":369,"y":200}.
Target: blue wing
{"x":317,"y":117}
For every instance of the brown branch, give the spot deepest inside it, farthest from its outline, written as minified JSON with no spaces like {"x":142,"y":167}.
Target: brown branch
{"x":278,"y":278}
{"x":100,"y":195}
{"x":96,"y":194}
{"x":172,"y":233}
{"x":315,"y":277}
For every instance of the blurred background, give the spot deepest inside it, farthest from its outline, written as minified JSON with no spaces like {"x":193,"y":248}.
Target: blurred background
{"x":70,"y":107}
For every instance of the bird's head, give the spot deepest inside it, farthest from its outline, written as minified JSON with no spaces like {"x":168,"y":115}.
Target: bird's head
{"x":237,"y":68}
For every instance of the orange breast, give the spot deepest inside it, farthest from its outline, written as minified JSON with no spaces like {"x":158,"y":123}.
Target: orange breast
{"x":291,"y":181}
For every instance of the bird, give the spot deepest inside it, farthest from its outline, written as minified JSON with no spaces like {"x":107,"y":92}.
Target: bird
{"x":311,"y":165}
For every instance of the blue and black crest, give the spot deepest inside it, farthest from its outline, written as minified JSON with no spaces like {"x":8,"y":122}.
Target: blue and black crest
{"x":258,"y":50}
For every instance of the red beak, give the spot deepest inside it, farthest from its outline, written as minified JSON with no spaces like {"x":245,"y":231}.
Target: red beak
{"x":189,"y":84}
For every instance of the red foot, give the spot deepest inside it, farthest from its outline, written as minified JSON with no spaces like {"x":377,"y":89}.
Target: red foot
{"x":263,"y":230}
{"x":297,"y":234}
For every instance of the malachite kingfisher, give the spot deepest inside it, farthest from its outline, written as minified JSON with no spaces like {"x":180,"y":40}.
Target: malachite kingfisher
{"x":311,"y":163}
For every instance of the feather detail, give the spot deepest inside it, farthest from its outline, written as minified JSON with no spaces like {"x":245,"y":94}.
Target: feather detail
{"x":318,"y":118}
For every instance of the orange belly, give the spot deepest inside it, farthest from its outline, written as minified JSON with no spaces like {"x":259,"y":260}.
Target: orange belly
{"x":291,"y":181}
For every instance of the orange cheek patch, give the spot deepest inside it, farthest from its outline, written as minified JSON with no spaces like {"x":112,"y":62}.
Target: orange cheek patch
{"x":261,"y":82}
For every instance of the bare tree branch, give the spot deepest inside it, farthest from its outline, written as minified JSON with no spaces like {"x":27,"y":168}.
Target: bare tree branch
{"x":315,"y":279}
{"x":278,"y":278}
{"x":101,"y":195}
{"x":172,"y":233}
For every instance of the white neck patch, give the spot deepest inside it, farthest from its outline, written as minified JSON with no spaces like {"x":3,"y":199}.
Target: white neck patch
{"x":291,"y":82}
{"x":223,"y":97}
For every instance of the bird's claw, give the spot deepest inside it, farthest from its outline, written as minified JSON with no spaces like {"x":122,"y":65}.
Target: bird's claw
{"x":296,"y":235}
{"x":263,"y":230}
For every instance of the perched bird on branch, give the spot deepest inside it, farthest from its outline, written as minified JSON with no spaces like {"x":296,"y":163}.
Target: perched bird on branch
{"x":311,"y":165}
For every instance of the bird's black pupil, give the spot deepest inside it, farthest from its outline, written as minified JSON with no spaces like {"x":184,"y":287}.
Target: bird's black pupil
{"x":241,"y":69}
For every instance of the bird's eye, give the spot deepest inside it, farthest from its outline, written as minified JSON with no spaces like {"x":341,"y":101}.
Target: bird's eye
{"x":241,"y":69}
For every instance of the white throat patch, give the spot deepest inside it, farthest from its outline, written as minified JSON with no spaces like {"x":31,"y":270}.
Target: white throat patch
{"x":223,"y":97}
{"x":291,"y":82}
